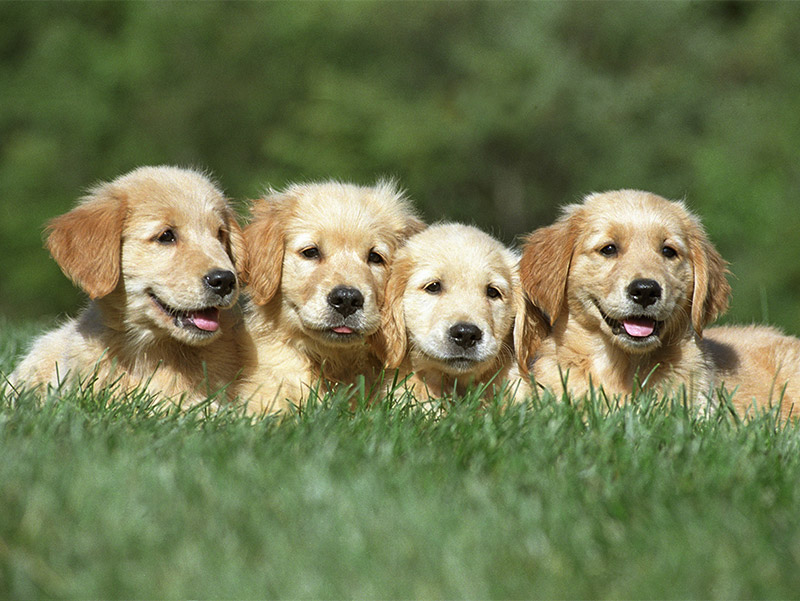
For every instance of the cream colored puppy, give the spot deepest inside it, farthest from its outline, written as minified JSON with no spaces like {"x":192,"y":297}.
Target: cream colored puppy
{"x":452,"y":303}
{"x":320,"y":259}
{"x":626,"y":282}
{"x":156,"y":250}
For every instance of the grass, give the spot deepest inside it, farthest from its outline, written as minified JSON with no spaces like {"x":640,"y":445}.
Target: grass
{"x":109,"y":497}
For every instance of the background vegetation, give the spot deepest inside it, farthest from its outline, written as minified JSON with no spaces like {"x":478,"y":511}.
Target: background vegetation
{"x":493,"y":113}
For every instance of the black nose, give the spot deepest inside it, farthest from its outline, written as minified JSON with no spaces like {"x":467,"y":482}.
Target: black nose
{"x":465,"y":335}
{"x":644,"y":292}
{"x":346,"y":300}
{"x":221,"y":281}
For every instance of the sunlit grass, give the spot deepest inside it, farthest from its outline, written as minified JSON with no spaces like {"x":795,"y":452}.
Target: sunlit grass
{"x":109,"y":496}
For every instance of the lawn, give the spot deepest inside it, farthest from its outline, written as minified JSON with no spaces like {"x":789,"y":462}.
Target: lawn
{"x":104,"y":496}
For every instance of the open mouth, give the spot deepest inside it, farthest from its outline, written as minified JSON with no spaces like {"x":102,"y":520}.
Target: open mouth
{"x":340,"y":333}
{"x":634,"y":327}
{"x":203,"y":321}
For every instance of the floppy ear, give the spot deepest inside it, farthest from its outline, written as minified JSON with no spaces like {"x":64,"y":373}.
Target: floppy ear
{"x":530,"y":328}
{"x":544,"y":266}
{"x":711,"y":288}
{"x":413,"y":226}
{"x":86,"y":242}
{"x":391,"y":339}
{"x":264,"y":240}
{"x":236,"y":247}
{"x":408,"y":224}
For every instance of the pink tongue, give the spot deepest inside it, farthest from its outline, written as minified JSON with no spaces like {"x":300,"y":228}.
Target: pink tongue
{"x":342,"y":330}
{"x":639,"y":328}
{"x":207,"y":319}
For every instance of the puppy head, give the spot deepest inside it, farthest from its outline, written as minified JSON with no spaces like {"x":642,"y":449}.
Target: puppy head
{"x":631,"y":265}
{"x":451,"y":302}
{"x":326,"y":248}
{"x":161,"y":245}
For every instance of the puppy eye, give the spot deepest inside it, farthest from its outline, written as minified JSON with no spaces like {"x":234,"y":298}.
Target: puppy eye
{"x":492,"y":292}
{"x":669,"y":252}
{"x":609,"y":250}
{"x":312,"y":252}
{"x":376,"y":258}
{"x":166,"y":237}
{"x":433,"y":288}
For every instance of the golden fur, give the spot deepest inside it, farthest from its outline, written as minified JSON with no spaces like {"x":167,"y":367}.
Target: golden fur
{"x":759,"y":365}
{"x":453,"y":303}
{"x":604,"y":275}
{"x":320,"y":256}
{"x":156,"y":250}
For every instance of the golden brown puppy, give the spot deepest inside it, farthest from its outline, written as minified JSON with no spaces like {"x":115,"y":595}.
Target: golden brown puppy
{"x":627,"y":281}
{"x":156,"y":250}
{"x":453,"y":303}
{"x":319,"y":263}
{"x":758,"y":365}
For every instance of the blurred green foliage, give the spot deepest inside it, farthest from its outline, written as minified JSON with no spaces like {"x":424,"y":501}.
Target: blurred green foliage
{"x":491,"y":113}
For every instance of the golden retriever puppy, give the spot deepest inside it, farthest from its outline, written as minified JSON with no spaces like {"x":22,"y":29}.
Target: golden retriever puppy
{"x":316,"y":275}
{"x":453,"y":302}
{"x":626,"y":281}
{"x":758,"y":365}
{"x":156,"y":250}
